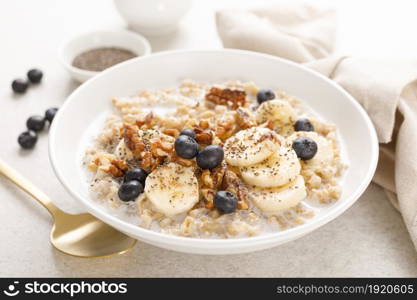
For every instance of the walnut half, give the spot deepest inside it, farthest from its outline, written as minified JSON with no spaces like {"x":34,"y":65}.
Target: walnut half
{"x":132,"y":139}
{"x":232,"y":98}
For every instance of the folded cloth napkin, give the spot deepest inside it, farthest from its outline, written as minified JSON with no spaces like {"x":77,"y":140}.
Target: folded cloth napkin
{"x":386,"y":89}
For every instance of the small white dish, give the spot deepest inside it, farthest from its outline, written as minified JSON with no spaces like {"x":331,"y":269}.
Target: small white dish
{"x":69,"y":134}
{"x":153,"y":17}
{"x":121,"y":39}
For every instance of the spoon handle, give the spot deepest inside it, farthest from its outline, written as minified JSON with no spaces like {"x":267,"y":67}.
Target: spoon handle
{"x":28,"y":187}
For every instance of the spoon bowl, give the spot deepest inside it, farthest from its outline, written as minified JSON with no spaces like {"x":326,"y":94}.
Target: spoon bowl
{"x":81,"y":235}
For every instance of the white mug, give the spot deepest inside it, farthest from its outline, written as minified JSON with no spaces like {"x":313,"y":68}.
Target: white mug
{"x":153,"y":17}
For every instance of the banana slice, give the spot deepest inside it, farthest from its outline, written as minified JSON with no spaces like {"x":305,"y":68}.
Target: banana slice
{"x":278,"y":199}
{"x":123,"y":152}
{"x":325,"y":152}
{"x":278,"y":111}
{"x":278,"y":169}
{"x":172,"y":189}
{"x":250,"y":146}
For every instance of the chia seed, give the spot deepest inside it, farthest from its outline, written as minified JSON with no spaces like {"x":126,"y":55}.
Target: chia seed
{"x":100,"y":59}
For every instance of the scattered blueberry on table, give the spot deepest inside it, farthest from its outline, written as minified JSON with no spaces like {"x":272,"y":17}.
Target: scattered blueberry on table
{"x":210,"y":157}
{"x":189,"y":132}
{"x":225,"y":202}
{"x":35,"y":75}
{"x":305,"y":147}
{"x":50,"y":114}
{"x":138,"y":174}
{"x":130,"y":190}
{"x":27,"y":139}
{"x":186,"y":147}
{"x":264,"y":95}
{"x":303,"y":125}
{"x":20,"y":86}
{"x":35,"y":123}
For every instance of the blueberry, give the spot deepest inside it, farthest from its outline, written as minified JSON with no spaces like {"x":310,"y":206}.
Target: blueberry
{"x":35,"y":123}
{"x":265,"y":95}
{"x":186,"y":147}
{"x":303,"y":125}
{"x":210,"y":157}
{"x":130,"y":190}
{"x":138,"y":174}
{"x":305,"y":147}
{"x":27,"y":139}
{"x":20,"y":86}
{"x":35,"y":75}
{"x":50,"y":114}
{"x":188,"y":132}
{"x":225,"y":202}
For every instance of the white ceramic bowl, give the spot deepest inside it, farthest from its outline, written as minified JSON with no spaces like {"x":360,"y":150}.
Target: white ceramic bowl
{"x":121,"y":39}
{"x":92,"y":101}
{"x":153,"y":17}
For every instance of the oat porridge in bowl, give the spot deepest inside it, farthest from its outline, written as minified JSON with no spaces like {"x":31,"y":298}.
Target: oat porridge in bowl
{"x":251,"y":171}
{"x":215,"y":160}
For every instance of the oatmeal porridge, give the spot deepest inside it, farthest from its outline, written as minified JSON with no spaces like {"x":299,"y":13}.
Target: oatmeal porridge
{"x":215,"y":160}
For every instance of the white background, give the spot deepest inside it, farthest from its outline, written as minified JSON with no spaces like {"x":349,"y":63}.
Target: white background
{"x":368,"y":240}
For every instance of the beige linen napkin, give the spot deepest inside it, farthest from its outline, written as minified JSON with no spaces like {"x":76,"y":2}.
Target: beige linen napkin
{"x":386,"y":89}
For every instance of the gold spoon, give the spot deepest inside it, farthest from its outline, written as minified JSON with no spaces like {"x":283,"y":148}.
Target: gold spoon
{"x":81,"y":235}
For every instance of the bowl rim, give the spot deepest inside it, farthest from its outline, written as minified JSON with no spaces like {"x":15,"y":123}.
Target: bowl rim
{"x":199,"y":243}
{"x":127,"y":33}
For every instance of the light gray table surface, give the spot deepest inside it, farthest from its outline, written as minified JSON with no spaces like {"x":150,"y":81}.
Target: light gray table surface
{"x":370,"y":239}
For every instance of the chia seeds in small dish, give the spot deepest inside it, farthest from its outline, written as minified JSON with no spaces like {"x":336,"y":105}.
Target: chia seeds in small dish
{"x":100,"y":59}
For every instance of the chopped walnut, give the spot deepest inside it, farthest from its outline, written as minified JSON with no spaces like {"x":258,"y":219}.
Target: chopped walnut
{"x":206,"y":179}
{"x":111,"y":169}
{"x":109,"y":164}
{"x":120,"y":167}
{"x":149,"y":162}
{"x":232,"y":183}
{"x":203,"y":136}
{"x":213,"y":178}
{"x":217,"y":175}
{"x":182,"y":161}
{"x":245,"y":119}
{"x":160,"y":149}
{"x":150,"y":148}
{"x":210,"y":181}
{"x":132,"y":139}
{"x":232,"y":98}
{"x":225,"y":128}
{"x":154,"y":157}
{"x":208,"y":196}
{"x":204,"y":124}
